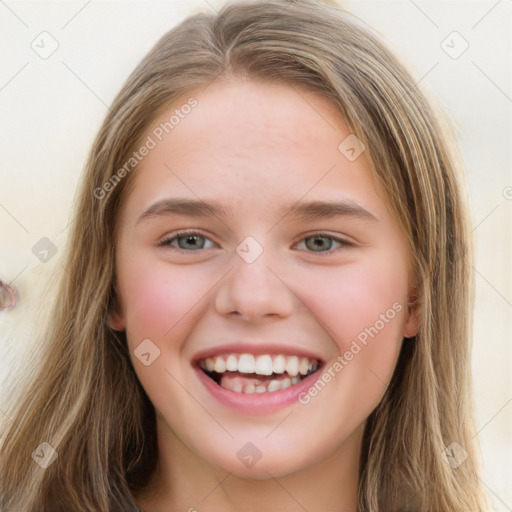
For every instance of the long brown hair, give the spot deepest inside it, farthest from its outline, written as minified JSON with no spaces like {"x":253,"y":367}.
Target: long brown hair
{"x":87,"y":403}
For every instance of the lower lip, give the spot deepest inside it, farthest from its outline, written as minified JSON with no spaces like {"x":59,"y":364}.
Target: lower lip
{"x":258,"y":403}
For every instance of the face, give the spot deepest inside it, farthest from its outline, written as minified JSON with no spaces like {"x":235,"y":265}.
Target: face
{"x":263,"y":284}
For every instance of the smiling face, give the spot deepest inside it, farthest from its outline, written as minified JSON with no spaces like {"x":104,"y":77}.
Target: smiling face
{"x":278,"y":319}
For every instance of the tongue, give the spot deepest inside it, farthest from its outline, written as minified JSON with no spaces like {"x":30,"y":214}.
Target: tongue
{"x":246,"y":378}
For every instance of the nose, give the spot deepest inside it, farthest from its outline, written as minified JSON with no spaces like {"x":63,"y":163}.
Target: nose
{"x":254,"y":290}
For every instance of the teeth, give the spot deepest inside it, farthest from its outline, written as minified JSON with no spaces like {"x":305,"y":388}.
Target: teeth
{"x":279,"y":364}
{"x":292,"y":366}
{"x":220,"y":365}
{"x":286,"y":383}
{"x":273,"y":385}
{"x":303,"y":366}
{"x":263,"y":365}
{"x":246,"y":364}
{"x":232,"y":363}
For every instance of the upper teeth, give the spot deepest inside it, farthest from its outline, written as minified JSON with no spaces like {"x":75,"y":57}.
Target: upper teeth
{"x":264,"y":364}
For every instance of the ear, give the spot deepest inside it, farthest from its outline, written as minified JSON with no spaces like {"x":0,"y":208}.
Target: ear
{"x":115,"y":316}
{"x":412,"y":315}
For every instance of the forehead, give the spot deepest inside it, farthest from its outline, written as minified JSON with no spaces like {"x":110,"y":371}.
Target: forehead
{"x":253,"y":146}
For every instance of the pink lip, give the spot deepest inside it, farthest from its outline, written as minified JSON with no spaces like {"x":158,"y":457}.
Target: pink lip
{"x":258,"y":403}
{"x":256,"y":349}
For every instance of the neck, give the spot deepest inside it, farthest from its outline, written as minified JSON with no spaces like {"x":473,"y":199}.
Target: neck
{"x":184,"y":481}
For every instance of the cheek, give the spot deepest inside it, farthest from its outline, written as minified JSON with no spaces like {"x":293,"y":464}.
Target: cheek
{"x":354,"y":298}
{"x":157,"y":296}
{"x":362,"y":306}
{"x":161,"y":303}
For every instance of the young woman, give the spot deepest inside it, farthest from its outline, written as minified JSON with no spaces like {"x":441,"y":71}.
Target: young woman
{"x":268,"y":292}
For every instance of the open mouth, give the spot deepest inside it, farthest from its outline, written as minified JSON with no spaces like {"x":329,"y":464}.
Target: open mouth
{"x":266,"y":373}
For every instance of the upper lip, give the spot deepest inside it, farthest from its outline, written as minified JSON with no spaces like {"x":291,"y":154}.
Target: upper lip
{"x":255,"y":348}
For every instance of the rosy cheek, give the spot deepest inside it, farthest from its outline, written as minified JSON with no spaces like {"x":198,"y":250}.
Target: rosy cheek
{"x":146,"y":297}
{"x":159,"y":296}
{"x":345,"y":300}
{"x":352,"y":299}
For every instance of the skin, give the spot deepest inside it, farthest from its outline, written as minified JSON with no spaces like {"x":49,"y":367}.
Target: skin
{"x":255,"y":147}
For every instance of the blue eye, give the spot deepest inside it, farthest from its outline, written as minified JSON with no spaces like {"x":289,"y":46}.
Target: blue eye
{"x":323,"y":243}
{"x":186,"y":241}
{"x":192,"y":241}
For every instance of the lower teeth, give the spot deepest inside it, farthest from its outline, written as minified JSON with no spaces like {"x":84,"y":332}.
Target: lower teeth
{"x":272,"y":386}
{"x":268,"y":386}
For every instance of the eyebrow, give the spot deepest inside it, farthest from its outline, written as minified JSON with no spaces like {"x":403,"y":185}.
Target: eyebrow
{"x":301,"y":211}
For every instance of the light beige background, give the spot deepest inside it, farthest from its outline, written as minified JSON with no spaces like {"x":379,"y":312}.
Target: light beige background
{"x":52,"y":107}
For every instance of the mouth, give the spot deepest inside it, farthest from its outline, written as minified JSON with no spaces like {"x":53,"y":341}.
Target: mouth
{"x":263,"y":373}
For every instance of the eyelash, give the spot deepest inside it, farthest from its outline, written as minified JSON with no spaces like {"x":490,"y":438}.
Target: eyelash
{"x":166,"y":242}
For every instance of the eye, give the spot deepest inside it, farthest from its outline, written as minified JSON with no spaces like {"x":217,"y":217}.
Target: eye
{"x":191,"y":241}
{"x":186,"y":241}
{"x":323,"y":243}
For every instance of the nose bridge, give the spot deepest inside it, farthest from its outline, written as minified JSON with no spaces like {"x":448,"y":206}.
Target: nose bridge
{"x":253,"y":288}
